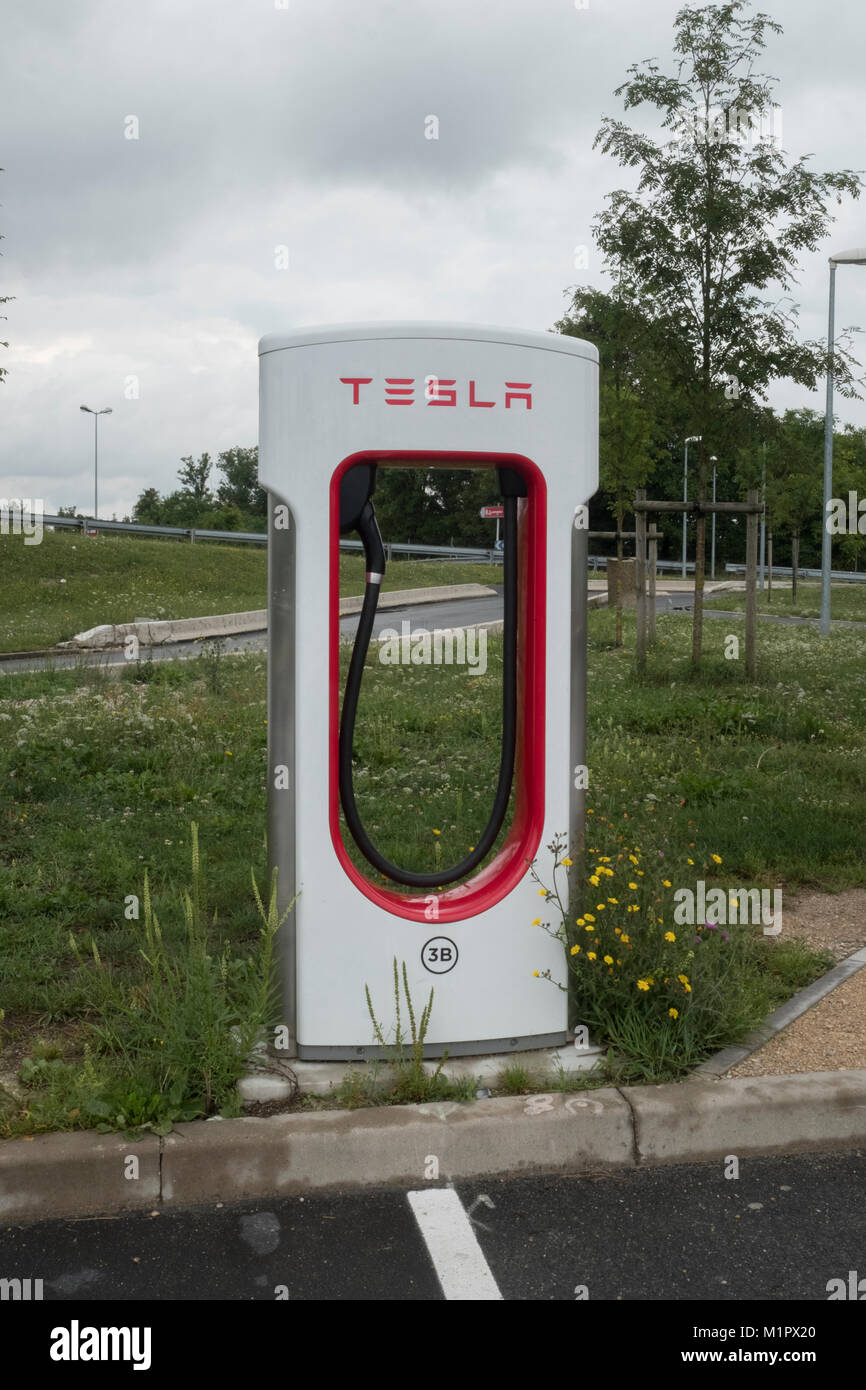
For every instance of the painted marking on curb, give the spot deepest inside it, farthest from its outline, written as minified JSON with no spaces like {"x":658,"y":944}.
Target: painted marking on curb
{"x":462,"y":1271}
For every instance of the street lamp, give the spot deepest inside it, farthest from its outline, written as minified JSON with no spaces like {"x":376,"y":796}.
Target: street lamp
{"x":692,"y":439}
{"x":95,"y":414}
{"x":855,"y":257}
{"x":713,"y":460}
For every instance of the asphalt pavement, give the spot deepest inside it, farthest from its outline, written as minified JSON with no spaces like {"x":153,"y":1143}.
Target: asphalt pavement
{"x":781,"y":1231}
{"x":428,"y":616}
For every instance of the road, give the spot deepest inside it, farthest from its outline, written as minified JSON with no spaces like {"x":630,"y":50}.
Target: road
{"x":781,"y":1231}
{"x":456,"y":613}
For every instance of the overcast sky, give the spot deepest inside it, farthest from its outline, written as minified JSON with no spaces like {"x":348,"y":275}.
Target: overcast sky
{"x":266,"y":123}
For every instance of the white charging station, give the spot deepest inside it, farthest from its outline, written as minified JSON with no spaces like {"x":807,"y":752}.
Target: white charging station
{"x":452,"y":395}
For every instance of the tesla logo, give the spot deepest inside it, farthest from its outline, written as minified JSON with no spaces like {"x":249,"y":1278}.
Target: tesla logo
{"x":401,"y":390}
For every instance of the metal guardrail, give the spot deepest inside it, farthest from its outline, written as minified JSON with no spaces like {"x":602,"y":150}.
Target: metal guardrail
{"x":191,"y":533}
{"x":137,"y":528}
{"x":785,"y":572}
{"x":467,"y":554}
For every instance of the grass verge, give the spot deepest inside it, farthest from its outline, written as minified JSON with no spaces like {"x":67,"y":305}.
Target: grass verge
{"x":104,"y":778}
{"x":69,"y":583}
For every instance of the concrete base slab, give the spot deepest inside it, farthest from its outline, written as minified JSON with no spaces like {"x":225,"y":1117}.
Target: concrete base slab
{"x":319,"y":1078}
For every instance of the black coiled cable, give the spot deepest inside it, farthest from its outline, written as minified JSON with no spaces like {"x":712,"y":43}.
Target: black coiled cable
{"x":369,"y":532}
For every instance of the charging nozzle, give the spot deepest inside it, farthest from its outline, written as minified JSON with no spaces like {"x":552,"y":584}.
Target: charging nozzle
{"x":357,"y":513}
{"x":374,"y":549}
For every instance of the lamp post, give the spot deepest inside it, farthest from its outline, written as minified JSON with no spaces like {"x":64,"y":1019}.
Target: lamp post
{"x":95,"y":414}
{"x":691,"y":439}
{"x":713,"y":460}
{"x":855,"y":257}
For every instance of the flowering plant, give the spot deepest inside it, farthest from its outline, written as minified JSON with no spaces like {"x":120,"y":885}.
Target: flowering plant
{"x":632,"y":966}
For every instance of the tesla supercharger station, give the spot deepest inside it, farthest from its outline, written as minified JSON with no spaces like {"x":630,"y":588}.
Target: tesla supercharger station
{"x":336,"y":404}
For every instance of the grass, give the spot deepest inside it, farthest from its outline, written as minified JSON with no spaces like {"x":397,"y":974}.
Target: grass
{"x":426,"y":765}
{"x":104,"y":778}
{"x":848,"y":601}
{"x":70,"y":583}
{"x":770,"y":776}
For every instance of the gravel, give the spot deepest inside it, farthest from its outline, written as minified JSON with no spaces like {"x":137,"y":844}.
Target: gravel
{"x":832,"y":1035}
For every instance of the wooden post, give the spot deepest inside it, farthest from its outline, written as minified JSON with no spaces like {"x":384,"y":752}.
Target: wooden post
{"x":769,"y":567}
{"x":795,"y":564}
{"x":640,"y":582}
{"x":752,"y":586}
{"x":653,"y":559}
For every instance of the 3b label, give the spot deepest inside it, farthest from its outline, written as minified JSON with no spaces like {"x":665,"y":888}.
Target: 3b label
{"x":439,"y":955}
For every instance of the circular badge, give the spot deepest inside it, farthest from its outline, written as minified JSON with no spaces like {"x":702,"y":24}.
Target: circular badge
{"x":439,"y":955}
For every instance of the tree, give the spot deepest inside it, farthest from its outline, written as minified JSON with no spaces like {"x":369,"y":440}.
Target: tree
{"x":193,"y":475}
{"x":633,"y":399}
{"x":794,"y":477}
{"x":240,"y":486}
{"x":849,"y":475}
{"x":148,"y":510}
{"x":435,"y":504}
{"x":708,"y":244}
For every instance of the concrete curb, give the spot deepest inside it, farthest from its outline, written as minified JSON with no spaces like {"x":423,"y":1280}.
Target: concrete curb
{"x":807,"y":998}
{"x":157,"y":632}
{"x":698,"y":1120}
{"x":411,"y":598}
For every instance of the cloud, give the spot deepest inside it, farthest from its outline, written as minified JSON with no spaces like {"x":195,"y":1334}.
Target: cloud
{"x":261,"y":128}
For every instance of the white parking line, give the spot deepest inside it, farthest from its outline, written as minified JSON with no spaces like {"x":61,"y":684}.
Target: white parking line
{"x":458,"y":1259}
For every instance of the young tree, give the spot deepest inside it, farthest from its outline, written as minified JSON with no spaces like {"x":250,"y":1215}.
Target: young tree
{"x":708,"y":244}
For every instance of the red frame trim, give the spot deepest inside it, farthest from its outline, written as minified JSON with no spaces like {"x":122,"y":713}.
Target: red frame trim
{"x":504,"y":872}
